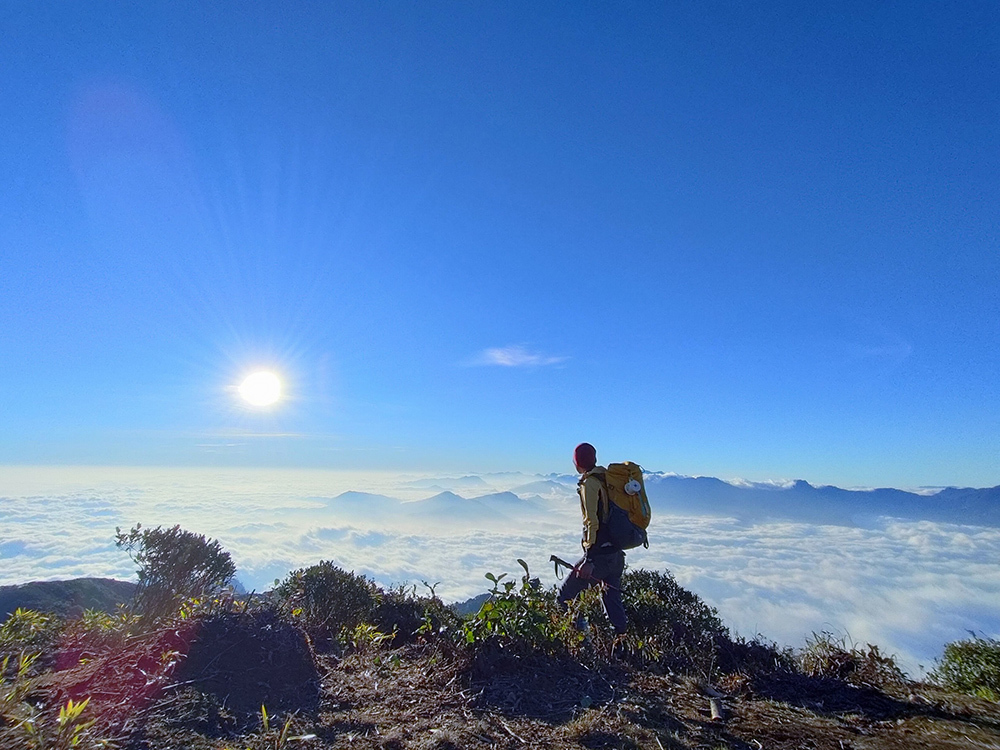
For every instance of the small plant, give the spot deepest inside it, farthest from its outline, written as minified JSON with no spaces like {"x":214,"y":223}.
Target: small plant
{"x":24,"y":725}
{"x":28,"y":630}
{"x":366,"y":637}
{"x":70,"y":724}
{"x":827,"y":656}
{"x":518,"y":617}
{"x":971,"y":666}
{"x":174,"y":566}
{"x":14,"y":688}
{"x":96,"y":631}
{"x":277,"y":739}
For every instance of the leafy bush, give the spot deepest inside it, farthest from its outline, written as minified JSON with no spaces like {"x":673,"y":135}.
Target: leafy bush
{"x":405,"y":614}
{"x":29,"y":631}
{"x":669,"y":625}
{"x":174,"y":566}
{"x":827,"y":656}
{"x":329,"y":602}
{"x":96,"y":631}
{"x":520,"y":618}
{"x":971,"y":666}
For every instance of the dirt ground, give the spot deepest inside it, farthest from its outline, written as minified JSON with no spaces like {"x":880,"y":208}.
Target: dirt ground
{"x":203,"y":690}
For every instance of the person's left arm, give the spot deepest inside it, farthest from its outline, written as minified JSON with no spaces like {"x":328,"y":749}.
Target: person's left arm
{"x":590,"y":503}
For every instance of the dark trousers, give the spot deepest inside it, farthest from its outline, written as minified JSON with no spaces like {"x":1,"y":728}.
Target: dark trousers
{"x":608,"y":568}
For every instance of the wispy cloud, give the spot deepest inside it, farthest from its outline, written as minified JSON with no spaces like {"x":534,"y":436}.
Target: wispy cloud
{"x":515,"y":356}
{"x":250,"y":434}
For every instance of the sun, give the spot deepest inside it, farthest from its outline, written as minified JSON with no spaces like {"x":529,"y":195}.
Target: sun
{"x":261,"y":388}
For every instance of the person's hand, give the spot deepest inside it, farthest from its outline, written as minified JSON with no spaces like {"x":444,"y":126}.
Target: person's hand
{"x":586,"y":570}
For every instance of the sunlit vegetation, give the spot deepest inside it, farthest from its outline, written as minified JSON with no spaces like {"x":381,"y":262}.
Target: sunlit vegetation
{"x":971,"y":666}
{"x":827,"y":656}
{"x":189,"y":655}
{"x":174,"y":566}
{"x":24,"y":724}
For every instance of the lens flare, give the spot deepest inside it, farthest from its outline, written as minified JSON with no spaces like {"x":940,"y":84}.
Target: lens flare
{"x":261,"y":389}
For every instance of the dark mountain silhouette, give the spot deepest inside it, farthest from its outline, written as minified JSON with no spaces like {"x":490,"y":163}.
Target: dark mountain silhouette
{"x":66,"y":597}
{"x":470,"y":606}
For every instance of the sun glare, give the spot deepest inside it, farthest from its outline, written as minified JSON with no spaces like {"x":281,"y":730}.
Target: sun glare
{"x":261,"y":389}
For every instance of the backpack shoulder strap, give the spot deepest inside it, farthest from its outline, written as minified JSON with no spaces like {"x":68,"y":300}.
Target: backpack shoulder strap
{"x":603,"y":498}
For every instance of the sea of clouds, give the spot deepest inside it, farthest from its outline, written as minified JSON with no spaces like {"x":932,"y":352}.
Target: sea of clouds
{"x":907,"y":585}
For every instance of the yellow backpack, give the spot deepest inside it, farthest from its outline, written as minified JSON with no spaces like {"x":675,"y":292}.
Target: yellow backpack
{"x":626,"y":518}
{"x":619,"y":480}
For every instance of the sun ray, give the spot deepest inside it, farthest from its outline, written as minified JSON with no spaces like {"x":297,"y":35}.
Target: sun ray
{"x":261,"y":388}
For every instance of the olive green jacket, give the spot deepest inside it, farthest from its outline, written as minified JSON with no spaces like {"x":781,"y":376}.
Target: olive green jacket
{"x":590,"y":490}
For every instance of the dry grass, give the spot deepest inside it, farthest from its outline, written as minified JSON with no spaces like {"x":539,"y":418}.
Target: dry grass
{"x":436,"y":696}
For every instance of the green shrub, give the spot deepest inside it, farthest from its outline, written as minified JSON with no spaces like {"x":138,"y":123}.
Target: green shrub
{"x":669,"y":625}
{"x":971,"y":666}
{"x":327,"y":601}
{"x":827,"y":656}
{"x":402,"y":612}
{"x":174,"y":566}
{"x":99,"y":631}
{"x":520,"y":618}
{"x":29,"y":631}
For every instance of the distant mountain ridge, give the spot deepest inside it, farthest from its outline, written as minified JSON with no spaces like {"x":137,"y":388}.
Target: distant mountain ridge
{"x":800,"y":500}
{"x":65,"y":597}
{"x":677,"y":494}
{"x":497,"y":509}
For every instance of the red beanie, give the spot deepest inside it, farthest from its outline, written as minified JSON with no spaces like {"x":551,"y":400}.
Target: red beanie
{"x":585,"y":456}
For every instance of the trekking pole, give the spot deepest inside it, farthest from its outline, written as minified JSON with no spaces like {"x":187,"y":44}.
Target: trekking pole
{"x":575,"y":569}
{"x":559,"y":561}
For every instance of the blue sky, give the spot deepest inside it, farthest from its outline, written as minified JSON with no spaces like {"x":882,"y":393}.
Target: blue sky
{"x":713,"y":238}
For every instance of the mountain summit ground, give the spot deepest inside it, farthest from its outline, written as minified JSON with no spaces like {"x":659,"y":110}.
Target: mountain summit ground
{"x":396,"y":671}
{"x":432,"y":695}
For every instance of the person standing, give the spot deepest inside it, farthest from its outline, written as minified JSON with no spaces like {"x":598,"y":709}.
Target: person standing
{"x":602,"y":562}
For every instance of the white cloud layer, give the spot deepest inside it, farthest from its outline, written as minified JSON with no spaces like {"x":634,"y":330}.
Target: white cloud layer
{"x":908,"y":586}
